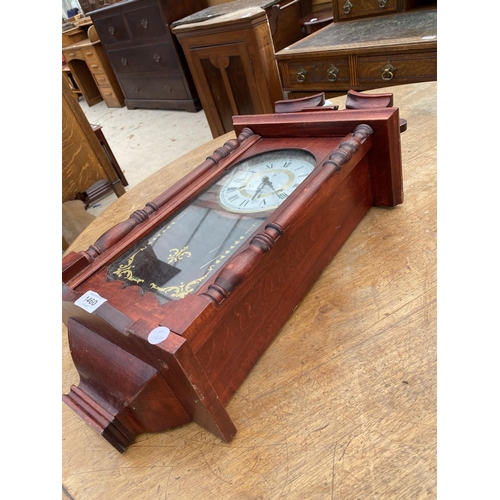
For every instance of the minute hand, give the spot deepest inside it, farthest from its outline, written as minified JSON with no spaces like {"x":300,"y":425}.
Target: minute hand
{"x":270,"y":184}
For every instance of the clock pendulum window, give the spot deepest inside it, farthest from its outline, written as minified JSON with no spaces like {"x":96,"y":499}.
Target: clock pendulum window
{"x":168,"y":311}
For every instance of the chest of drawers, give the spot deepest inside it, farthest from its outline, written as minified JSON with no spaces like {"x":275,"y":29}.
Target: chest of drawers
{"x":147,"y":60}
{"x":363,"y":54}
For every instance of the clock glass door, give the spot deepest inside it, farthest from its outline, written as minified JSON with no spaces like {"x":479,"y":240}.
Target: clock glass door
{"x":180,"y":255}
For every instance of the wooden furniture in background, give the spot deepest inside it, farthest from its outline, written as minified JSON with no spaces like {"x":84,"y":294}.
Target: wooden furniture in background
{"x":363,"y":54}
{"x":146,"y":58}
{"x":71,"y":82}
{"x":344,"y":10}
{"x":232,"y":62}
{"x":316,"y":20}
{"x":283,"y":17}
{"x":91,"y":70}
{"x":90,"y":5}
{"x":343,"y":403}
{"x":109,"y":153}
{"x":84,"y":161}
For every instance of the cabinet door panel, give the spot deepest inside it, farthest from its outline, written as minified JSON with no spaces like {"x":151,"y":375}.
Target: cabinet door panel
{"x":228,"y":85}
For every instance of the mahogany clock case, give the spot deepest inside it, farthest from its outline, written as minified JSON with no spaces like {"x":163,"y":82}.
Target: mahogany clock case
{"x":133,"y":382}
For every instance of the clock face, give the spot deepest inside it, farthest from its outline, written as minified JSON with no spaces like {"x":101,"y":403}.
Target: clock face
{"x":264,"y":181}
{"x":182,"y":253}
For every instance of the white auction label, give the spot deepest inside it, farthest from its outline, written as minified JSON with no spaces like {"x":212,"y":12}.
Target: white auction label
{"x":90,"y":301}
{"x":158,"y":334}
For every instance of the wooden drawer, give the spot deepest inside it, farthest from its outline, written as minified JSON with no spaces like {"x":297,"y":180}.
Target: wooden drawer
{"x":90,"y":54}
{"x":328,"y":73}
{"x":350,"y":9}
{"x":111,"y":30}
{"x":154,"y":87}
{"x":70,"y":54}
{"x":95,"y":66}
{"x":395,"y":69}
{"x":108,"y":95}
{"x":145,"y":22}
{"x":157,"y":57}
{"x":102,"y":80}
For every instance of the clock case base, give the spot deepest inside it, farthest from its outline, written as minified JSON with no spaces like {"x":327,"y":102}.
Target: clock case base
{"x":129,"y":386}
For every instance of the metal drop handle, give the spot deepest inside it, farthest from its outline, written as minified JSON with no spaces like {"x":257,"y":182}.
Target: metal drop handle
{"x":382,"y":3}
{"x":331,"y":73}
{"x":347,"y":7}
{"x":388,"y":72}
{"x":301,"y":75}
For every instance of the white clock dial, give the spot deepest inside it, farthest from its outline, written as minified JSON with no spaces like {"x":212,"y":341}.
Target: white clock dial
{"x":263,"y":182}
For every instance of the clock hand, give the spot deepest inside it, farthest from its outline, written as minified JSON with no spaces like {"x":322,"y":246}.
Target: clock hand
{"x":259,"y":189}
{"x":270,"y":184}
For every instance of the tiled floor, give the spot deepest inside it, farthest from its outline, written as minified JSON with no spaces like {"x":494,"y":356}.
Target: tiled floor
{"x":145,"y":140}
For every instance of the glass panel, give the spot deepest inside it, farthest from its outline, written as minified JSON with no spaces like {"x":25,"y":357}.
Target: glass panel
{"x":188,"y":248}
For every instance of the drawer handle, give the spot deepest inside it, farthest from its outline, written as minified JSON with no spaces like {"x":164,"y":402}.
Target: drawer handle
{"x":101,"y":79}
{"x":111,"y":30}
{"x":382,"y":3}
{"x":144,"y":23}
{"x":89,"y":53}
{"x":388,"y":72}
{"x":136,"y":89}
{"x":156,"y":57}
{"x":168,"y":88}
{"x":72,"y":54}
{"x":301,"y":75}
{"x":94,"y":65}
{"x":331,"y":73}
{"x":124,"y":61}
{"x":347,"y":7}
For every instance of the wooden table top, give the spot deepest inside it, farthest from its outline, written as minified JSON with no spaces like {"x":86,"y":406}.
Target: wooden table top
{"x":343,"y":402}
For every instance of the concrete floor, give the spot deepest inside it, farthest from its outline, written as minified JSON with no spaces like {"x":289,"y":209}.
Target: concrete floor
{"x":145,"y":140}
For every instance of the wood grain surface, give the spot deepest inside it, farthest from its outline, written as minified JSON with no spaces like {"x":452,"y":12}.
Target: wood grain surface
{"x":342,"y":405}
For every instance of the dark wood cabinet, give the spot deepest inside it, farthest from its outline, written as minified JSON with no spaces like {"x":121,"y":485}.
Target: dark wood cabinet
{"x":146,"y":58}
{"x":90,"y":5}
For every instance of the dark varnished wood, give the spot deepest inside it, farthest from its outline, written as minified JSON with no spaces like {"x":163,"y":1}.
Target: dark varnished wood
{"x":146,"y":58}
{"x":218,"y":334}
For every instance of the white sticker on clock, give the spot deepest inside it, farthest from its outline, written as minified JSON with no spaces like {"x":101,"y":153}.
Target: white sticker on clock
{"x":158,"y":334}
{"x":90,"y":301}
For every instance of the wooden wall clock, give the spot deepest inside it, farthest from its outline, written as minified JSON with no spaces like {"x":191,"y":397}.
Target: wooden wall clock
{"x":168,"y":311}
